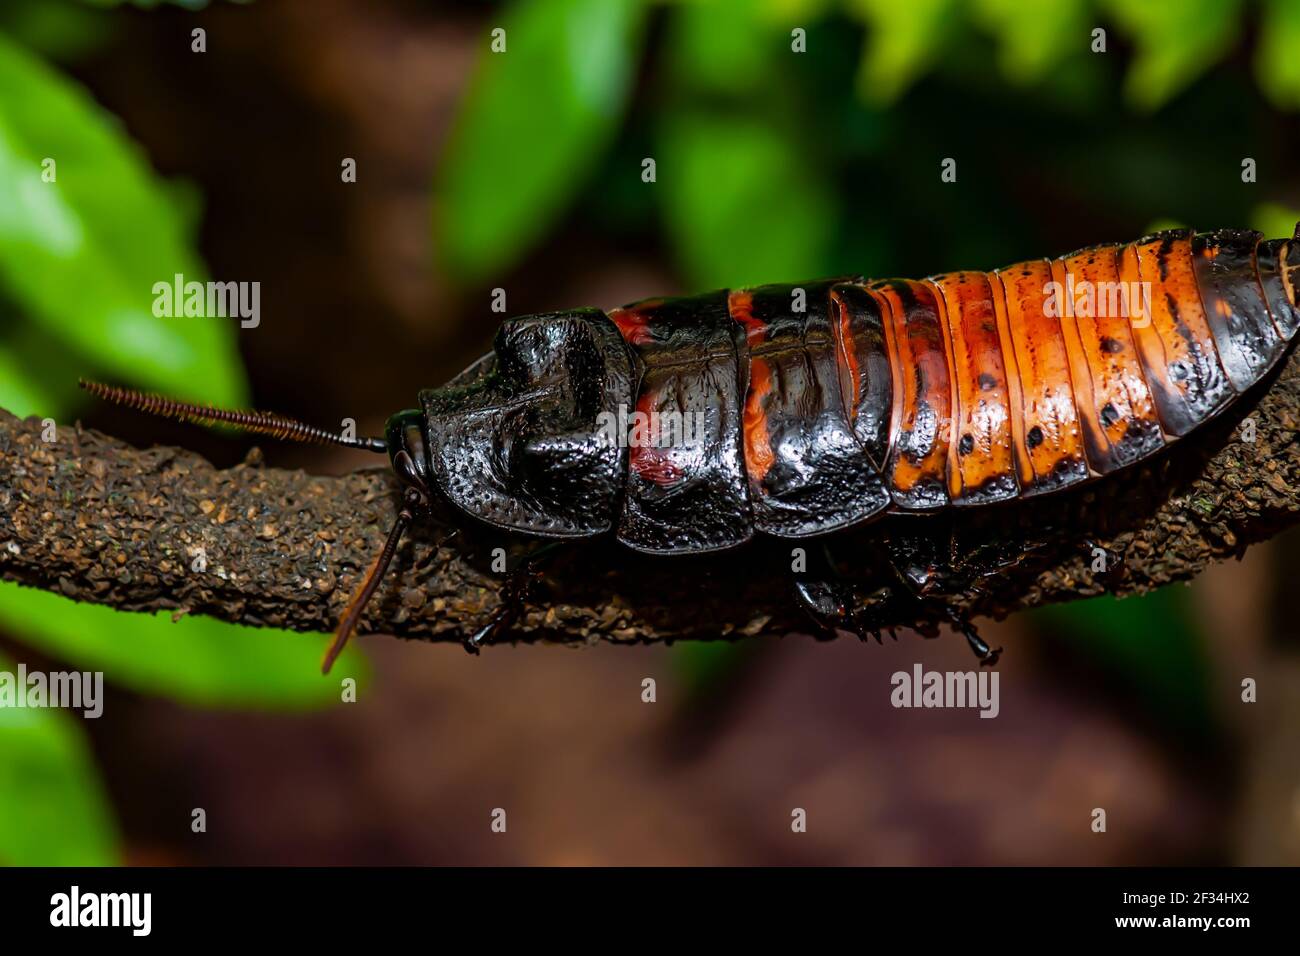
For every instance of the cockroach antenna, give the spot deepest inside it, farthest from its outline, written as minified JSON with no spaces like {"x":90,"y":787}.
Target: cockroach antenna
{"x":352,"y":613}
{"x":280,"y":426}
{"x":260,"y":423}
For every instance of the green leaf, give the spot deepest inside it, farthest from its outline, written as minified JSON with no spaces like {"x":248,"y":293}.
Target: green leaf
{"x":537,"y":119}
{"x":60,"y":29}
{"x":80,"y":255}
{"x":36,"y":377}
{"x":20,"y":393}
{"x":742,"y":204}
{"x":1277,"y":57}
{"x":53,"y":808}
{"x":1274,"y":220}
{"x":1033,"y":40}
{"x":722,"y":46}
{"x":904,"y":39}
{"x":151,"y":4}
{"x":195,"y":660}
{"x":1163,"y":224}
{"x":791,"y":13}
{"x":1176,"y":43}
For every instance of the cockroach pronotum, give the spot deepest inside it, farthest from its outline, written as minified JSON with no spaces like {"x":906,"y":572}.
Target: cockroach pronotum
{"x":825,"y":404}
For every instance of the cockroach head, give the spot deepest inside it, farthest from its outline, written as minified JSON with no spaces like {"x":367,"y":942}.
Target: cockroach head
{"x":525,"y":442}
{"x":406,"y":450}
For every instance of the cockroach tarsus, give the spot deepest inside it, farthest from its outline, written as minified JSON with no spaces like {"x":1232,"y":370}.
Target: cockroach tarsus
{"x":825,"y":405}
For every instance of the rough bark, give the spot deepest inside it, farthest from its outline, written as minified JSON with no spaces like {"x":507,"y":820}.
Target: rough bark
{"x":97,"y":520}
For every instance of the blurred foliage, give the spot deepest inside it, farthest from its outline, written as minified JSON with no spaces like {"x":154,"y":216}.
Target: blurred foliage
{"x":1277,"y":65}
{"x":83,"y":241}
{"x":720,"y":172}
{"x":205,"y":662}
{"x":151,"y":4}
{"x":58,"y":30}
{"x":705,"y":669}
{"x":1275,"y":219}
{"x":537,"y":118}
{"x":1030,"y":48}
{"x":1150,"y":645}
{"x":903,"y":42}
{"x":53,"y":809}
{"x":1174,"y":43}
{"x":80,"y":251}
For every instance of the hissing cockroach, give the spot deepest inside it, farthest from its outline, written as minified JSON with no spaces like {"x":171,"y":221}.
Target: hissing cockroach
{"x":818,"y":406}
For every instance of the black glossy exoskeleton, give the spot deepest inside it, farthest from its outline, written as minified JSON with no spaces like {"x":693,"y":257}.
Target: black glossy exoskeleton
{"x":688,"y":425}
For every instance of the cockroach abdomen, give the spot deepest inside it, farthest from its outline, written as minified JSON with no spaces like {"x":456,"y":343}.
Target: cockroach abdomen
{"x":686,"y":485}
{"x":1248,"y":341}
{"x":687,"y":424}
{"x":807,"y":470}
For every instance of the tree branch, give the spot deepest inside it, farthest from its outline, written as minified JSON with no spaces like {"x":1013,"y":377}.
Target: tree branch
{"x":97,"y":520}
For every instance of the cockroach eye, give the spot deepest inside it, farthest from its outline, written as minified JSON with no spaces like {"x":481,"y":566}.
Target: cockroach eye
{"x":406,"y":470}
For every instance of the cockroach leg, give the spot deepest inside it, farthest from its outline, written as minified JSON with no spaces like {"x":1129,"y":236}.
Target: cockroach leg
{"x":918,"y":582}
{"x":834,"y":605}
{"x":988,"y":657}
{"x":514,"y":598}
{"x":826,"y":609}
